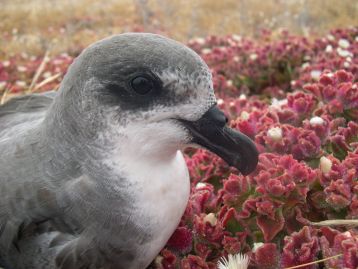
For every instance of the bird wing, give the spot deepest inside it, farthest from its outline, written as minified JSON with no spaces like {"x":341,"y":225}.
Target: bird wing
{"x":16,"y":117}
{"x":23,"y":110}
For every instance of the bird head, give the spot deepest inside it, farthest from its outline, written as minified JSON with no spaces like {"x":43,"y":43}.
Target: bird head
{"x":154,"y":96}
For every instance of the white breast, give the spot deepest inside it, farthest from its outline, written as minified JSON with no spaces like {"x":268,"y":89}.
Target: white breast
{"x":161,"y":190}
{"x":156,"y":178}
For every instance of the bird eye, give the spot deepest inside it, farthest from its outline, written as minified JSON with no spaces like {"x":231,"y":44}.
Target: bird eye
{"x":142,"y":85}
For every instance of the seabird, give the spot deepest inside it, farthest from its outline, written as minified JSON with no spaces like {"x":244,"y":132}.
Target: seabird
{"x":93,"y":176}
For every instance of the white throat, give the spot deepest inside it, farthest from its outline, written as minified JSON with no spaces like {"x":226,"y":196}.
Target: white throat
{"x":157,"y":177}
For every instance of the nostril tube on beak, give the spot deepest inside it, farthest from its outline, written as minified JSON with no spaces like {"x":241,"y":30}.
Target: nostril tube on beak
{"x":211,"y":132}
{"x":216,"y":116}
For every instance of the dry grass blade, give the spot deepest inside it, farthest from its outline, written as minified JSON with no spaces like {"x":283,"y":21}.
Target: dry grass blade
{"x":315,"y":262}
{"x":4,"y":95}
{"x":46,"y":81}
{"x":336,"y":222}
{"x":38,"y":72}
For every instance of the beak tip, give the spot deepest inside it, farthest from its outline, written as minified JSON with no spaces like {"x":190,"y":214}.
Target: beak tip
{"x":248,"y":156}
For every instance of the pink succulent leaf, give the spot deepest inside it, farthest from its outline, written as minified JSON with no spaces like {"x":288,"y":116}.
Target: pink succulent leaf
{"x":181,"y":240}
{"x":193,"y":262}
{"x":236,"y":189}
{"x":266,"y":257}
{"x":167,"y":260}
{"x":300,"y":248}
{"x":336,"y":171}
{"x":282,"y":175}
{"x":333,"y":242}
{"x":231,"y":244}
{"x":338,"y":194}
{"x":210,"y":232}
{"x":301,"y":103}
{"x":270,"y":226}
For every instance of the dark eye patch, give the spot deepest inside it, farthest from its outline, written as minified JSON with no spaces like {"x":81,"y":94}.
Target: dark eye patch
{"x":117,"y":90}
{"x":137,"y":90}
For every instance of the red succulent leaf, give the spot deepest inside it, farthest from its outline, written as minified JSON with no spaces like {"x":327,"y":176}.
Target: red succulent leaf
{"x":207,"y":231}
{"x":300,"y":248}
{"x":269,"y":226}
{"x":181,"y":240}
{"x":333,"y":242}
{"x":167,"y":260}
{"x":266,"y":257}
{"x":193,"y":262}
{"x":231,"y":244}
{"x":236,"y":189}
{"x":302,"y":103}
{"x":338,"y":194}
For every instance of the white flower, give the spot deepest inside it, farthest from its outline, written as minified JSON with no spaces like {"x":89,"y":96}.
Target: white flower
{"x":325,"y":164}
{"x":205,"y":51}
{"x":256,"y":246}
{"x":21,"y":68}
{"x":6,"y":63}
{"x":343,"y":53}
{"x":242,"y":97}
{"x":47,"y":74}
{"x":211,"y":219}
{"x":199,"y":40}
{"x":237,"y":261}
{"x":229,"y":83}
{"x":305,"y":65}
{"x":158,"y":260}
{"x":293,"y":83}
{"x":220,"y":102}
{"x":348,"y":234}
{"x":2,"y":85}
{"x":236,"y":38}
{"x":329,"y":49}
{"x":244,"y":115}
{"x":21,"y":83}
{"x":343,"y":43}
{"x":330,"y":37}
{"x":253,"y":56}
{"x":236,"y":58}
{"x":275,"y":133}
{"x":275,"y":103}
{"x":346,"y":64}
{"x":57,"y":61}
{"x":316,"y":121}
{"x":24,"y":55}
{"x":315,"y":74}
{"x":200,"y":185}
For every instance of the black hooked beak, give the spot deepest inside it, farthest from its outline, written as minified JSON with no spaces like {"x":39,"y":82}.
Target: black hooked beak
{"x":211,"y":132}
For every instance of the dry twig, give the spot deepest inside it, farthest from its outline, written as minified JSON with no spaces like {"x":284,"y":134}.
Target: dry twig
{"x":315,"y":262}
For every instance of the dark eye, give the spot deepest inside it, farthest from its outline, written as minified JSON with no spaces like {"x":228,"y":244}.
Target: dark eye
{"x":142,"y":85}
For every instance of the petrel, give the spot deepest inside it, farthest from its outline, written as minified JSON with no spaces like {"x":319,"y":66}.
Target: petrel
{"x":93,"y":176}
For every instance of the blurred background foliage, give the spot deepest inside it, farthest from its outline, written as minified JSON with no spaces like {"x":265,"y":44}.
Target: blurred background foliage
{"x":35,"y":26}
